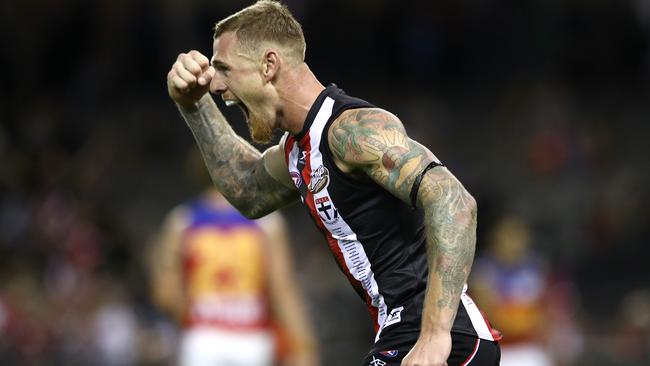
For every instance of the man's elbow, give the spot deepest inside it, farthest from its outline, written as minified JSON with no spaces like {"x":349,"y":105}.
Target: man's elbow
{"x":252,"y":212}
{"x":467,"y":211}
{"x":245,"y":206}
{"x":253,"y":215}
{"x":472,"y":206}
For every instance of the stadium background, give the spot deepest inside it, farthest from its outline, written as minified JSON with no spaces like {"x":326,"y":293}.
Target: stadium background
{"x":540,"y":107}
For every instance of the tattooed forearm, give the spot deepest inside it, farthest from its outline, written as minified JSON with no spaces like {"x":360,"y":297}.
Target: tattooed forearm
{"x":374,"y":141}
{"x":235,"y":166}
{"x":450,"y":218}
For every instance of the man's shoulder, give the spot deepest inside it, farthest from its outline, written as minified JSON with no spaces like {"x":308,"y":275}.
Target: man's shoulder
{"x":364,"y":118}
{"x":357,"y":123}
{"x":356,"y":135}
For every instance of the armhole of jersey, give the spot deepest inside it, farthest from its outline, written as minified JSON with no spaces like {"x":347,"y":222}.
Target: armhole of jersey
{"x":275,"y":163}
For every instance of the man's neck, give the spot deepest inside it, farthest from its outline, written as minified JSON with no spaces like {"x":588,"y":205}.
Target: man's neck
{"x":298,"y":94}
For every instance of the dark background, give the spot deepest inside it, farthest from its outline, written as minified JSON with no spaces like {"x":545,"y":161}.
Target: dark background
{"x":540,"y":107}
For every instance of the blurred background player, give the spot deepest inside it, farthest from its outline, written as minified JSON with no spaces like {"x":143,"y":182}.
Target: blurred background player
{"x":229,"y":283}
{"x":528,"y":300}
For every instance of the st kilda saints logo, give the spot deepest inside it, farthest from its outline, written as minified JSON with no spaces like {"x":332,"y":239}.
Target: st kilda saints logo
{"x":320,"y":178}
{"x":326,"y":210}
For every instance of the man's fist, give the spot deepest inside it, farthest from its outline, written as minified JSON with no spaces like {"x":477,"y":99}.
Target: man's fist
{"x":189,"y":78}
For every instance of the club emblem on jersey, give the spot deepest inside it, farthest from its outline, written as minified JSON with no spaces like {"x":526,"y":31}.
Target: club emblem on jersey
{"x":391,"y":353}
{"x":326,"y":210}
{"x":296,"y":178}
{"x":320,"y":178}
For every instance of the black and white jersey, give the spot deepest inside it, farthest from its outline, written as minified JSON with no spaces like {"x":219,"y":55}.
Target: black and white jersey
{"x":377,"y":240}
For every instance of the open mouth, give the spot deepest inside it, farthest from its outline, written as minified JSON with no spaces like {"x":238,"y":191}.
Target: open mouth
{"x":242,"y":106}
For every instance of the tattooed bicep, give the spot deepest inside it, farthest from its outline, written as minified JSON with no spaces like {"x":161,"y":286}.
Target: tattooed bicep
{"x":375,"y":141}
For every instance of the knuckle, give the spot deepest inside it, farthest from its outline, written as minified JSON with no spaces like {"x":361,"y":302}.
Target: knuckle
{"x":189,"y":77}
{"x":180,"y":83}
{"x":193,"y":66}
{"x":179,"y":67}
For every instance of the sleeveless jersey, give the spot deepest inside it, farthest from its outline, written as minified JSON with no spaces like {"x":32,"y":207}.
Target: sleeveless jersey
{"x":377,"y":240}
{"x":224,"y":269}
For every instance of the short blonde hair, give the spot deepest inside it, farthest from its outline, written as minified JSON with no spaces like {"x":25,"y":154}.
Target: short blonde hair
{"x":265,"y":21}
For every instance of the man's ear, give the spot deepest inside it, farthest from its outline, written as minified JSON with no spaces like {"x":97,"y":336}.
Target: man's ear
{"x":270,"y":64}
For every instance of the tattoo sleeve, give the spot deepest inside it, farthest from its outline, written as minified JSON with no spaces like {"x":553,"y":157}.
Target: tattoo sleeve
{"x":235,"y":166}
{"x":375,"y":142}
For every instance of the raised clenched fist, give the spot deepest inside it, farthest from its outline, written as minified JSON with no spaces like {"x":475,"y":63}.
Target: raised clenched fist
{"x":189,"y":78}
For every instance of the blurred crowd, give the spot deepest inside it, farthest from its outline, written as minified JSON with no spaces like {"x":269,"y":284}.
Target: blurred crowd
{"x":540,"y":107}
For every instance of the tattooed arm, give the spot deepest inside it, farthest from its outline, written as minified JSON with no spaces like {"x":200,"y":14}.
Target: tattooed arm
{"x":374,"y":142}
{"x":238,"y":170}
{"x":249,"y":180}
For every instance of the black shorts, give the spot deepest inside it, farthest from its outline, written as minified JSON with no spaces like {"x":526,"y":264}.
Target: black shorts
{"x":465,"y":350}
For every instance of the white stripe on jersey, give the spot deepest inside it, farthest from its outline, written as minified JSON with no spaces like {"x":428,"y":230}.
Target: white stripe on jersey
{"x":480,"y":326}
{"x":293,"y":164}
{"x":355,"y":257}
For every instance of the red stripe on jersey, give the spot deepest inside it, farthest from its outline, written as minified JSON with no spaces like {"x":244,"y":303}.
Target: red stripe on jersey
{"x":305,"y":143}
{"x":191,"y":321}
{"x":496,"y":334}
{"x":374,"y":312}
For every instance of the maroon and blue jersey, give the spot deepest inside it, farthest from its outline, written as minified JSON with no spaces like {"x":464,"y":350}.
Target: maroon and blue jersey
{"x":224,"y":258}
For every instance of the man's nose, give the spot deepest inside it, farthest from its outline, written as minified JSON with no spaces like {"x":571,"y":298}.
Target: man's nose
{"x":217,"y":86}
